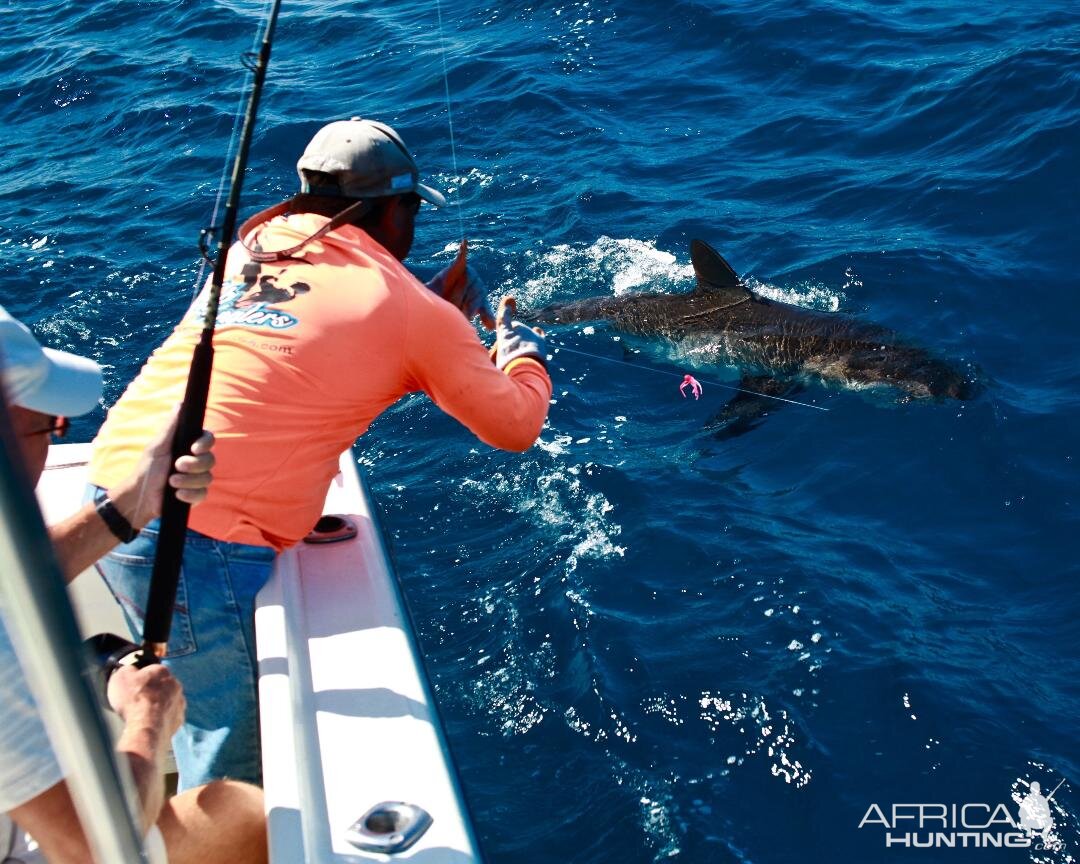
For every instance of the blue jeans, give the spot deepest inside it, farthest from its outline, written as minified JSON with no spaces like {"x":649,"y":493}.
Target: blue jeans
{"x":211,"y":646}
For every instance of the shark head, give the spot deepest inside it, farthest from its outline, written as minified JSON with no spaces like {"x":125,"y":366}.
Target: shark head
{"x":936,"y":379}
{"x":910,"y":369}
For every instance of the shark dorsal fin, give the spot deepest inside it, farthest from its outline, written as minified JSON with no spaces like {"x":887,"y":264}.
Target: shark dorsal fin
{"x":713,"y":272}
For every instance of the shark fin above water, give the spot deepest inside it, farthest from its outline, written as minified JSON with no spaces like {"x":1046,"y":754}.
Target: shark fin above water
{"x":718,"y":286}
{"x":713,"y":272}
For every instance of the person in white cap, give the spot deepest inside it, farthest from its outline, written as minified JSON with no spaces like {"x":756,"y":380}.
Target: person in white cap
{"x":320,"y":329}
{"x":220,"y":823}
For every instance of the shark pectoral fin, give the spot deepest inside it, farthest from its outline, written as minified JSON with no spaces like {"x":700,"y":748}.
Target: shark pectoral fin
{"x":751,"y":405}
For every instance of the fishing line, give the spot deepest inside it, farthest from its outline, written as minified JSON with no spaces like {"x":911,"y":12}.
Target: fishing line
{"x":562,"y":347}
{"x":461,"y":230}
{"x":450,"y":120}
{"x":238,"y":116}
{"x":204,"y":258}
{"x":164,"y":579}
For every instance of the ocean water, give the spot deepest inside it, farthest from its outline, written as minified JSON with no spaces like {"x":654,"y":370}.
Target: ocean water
{"x":651,"y":643}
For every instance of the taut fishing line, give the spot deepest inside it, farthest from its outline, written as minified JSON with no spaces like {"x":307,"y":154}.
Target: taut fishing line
{"x":238,"y":117}
{"x":450,"y":120}
{"x":204,"y":258}
{"x":461,"y":230}
{"x":562,"y":347}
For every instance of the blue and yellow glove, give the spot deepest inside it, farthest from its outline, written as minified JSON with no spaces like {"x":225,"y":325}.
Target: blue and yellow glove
{"x":458,"y":284}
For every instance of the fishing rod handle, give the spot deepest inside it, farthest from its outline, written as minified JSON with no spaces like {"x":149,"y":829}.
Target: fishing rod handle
{"x":112,"y":652}
{"x":109,"y":653}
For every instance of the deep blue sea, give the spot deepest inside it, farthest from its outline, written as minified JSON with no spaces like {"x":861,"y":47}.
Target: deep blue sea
{"x":651,"y":643}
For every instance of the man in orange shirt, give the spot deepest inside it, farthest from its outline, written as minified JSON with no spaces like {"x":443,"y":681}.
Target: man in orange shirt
{"x":320,"y":329}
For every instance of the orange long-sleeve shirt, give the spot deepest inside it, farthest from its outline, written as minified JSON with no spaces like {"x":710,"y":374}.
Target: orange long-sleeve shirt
{"x":307,"y":354}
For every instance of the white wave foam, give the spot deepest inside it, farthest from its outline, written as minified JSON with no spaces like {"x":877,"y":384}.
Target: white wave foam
{"x":563,"y":503}
{"x":811,"y":295}
{"x":504,"y":691}
{"x":608,"y":265}
{"x":656,"y":799}
{"x":473,"y":178}
{"x":657,"y":810}
{"x":750,"y":715}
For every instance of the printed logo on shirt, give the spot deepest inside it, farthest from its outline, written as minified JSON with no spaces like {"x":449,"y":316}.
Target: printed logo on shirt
{"x":268,"y":291}
{"x":247,"y":304}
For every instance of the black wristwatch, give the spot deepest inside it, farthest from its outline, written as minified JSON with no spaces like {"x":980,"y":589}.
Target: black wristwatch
{"x":120,"y":527}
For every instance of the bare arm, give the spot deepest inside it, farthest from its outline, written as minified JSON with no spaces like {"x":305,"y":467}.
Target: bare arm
{"x":51,"y":819}
{"x":152,"y":705}
{"x":83,"y":538}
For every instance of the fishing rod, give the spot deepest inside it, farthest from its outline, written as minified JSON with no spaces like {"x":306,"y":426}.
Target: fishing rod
{"x":174,"y":512}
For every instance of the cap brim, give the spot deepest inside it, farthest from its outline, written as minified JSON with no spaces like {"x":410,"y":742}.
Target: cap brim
{"x":432,"y":196}
{"x":72,"y":387}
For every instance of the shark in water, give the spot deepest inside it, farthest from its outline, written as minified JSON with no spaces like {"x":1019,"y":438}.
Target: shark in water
{"x":776,"y":345}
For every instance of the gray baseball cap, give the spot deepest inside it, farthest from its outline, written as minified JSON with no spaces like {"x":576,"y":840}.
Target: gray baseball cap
{"x":369,"y":160}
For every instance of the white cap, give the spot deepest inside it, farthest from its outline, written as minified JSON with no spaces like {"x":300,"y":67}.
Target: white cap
{"x":42,"y":379}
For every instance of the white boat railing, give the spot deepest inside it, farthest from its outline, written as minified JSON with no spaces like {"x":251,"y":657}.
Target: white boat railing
{"x":355,"y":761}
